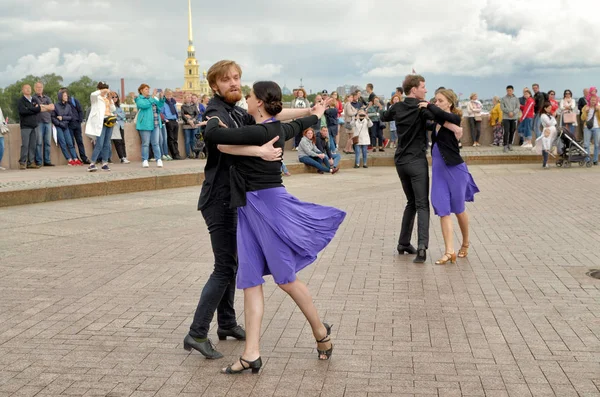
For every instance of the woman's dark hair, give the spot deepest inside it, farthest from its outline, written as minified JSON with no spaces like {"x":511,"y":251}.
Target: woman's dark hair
{"x":546,"y":104}
{"x":270,"y":93}
{"x":567,"y":92}
{"x":102,"y":85}
{"x":116,"y":96}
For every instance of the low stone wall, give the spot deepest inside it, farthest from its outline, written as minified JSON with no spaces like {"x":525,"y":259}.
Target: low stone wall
{"x":12,"y":142}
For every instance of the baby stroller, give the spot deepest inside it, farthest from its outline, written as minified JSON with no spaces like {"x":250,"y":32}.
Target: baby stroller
{"x":570,"y":151}
{"x":200,"y":146}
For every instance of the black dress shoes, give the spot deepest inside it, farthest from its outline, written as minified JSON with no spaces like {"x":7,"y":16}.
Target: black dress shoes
{"x":236,"y":332}
{"x":205,"y":348}
{"x":406,"y":249}
{"x":421,"y":255}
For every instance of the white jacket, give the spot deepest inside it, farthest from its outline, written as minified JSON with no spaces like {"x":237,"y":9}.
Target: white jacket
{"x":572,"y":106}
{"x":361,"y":130}
{"x":3,"y":125}
{"x":95,"y":121}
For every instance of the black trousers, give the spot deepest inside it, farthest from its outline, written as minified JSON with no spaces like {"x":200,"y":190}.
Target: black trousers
{"x":77,"y":137}
{"x":415,"y":183}
{"x":376,"y":134}
{"x":172,"y":135}
{"x":218,"y":292}
{"x":509,"y":131}
{"x":120,"y":145}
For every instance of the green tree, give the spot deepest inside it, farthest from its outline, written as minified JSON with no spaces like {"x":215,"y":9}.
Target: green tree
{"x":81,"y":89}
{"x":288,"y":98}
{"x":246,"y":90}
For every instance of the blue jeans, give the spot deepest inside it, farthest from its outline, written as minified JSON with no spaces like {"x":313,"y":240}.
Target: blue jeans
{"x":65,"y":141}
{"x":526,"y":128}
{"x":537,"y":124}
{"x":284,"y":169}
{"x":102,"y":146}
{"x":571,"y":127}
{"x":190,"y":140}
{"x":44,"y":139}
{"x":316,"y":162}
{"x":587,"y":136}
{"x":150,"y":138}
{"x":1,"y":147}
{"x":336,"y":159}
{"x":162,"y":142}
{"x":393,"y":133}
{"x":357,"y":150}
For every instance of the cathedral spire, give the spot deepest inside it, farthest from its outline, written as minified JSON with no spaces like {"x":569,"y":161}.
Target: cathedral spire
{"x":190,"y":36}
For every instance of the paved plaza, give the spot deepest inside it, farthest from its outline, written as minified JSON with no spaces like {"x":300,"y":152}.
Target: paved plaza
{"x":97,"y":294}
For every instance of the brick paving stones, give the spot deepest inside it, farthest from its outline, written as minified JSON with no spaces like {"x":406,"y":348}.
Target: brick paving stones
{"x":97,"y":294}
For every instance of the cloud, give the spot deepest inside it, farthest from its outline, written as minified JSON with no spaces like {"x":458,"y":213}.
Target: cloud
{"x":327,"y":43}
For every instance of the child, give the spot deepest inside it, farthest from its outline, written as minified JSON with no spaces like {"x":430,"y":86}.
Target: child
{"x":546,"y":142}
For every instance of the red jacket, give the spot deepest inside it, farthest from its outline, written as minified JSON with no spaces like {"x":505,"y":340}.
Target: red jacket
{"x":554,"y":107}
{"x":528,"y":109}
{"x":340,"y":108}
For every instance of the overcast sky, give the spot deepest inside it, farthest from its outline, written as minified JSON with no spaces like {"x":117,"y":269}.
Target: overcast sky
{"x":468,"y":45}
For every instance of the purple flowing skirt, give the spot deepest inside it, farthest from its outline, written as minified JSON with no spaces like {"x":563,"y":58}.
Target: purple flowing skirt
{"x":451,"y":186}
{"x":280,"y":235}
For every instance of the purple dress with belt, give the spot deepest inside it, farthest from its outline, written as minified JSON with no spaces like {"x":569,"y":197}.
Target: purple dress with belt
{"x":451,"y":185}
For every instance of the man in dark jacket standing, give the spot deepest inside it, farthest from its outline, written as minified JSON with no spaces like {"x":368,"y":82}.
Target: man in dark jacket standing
{"x":224,"y":78}
{"x":28,"y":111}
{"x":75,"y":125}
{"x":540,"y":98}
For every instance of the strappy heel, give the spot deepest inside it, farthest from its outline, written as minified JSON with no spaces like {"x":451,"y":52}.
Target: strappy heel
{"x":327,"y":353}
{"x":448,"y":257}
{"x":253,"y":365}
{"x":463,"y":251}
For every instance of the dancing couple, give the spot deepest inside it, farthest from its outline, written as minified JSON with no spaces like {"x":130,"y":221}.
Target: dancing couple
{"x":243,"y":199}
{"x":452,"y":184}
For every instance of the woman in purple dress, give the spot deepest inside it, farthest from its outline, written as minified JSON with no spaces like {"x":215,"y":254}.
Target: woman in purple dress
{"x":277,"y":234}
{"x":451,"y":183}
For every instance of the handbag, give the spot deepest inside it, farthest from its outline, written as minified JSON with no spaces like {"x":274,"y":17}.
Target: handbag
{"x":110,"y":121}
{"x":590,"y":123}
{"x":478,"y":117}
{"x":569,"y":118}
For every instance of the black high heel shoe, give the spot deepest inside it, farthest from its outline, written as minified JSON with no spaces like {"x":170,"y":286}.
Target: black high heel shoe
{"x":326,"y":339}
{"x":253,"y":365}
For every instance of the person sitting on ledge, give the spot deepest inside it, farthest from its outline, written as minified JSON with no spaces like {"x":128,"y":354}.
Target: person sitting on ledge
{"x":309,"y":154}
{"x":326,"y":144}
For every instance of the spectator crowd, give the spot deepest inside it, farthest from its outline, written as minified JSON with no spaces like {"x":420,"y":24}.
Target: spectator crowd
{"x":514,"y":120}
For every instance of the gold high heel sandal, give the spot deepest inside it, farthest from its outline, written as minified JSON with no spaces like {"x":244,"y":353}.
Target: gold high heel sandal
{"x":463,"y":251}
{"x":448,"y":257}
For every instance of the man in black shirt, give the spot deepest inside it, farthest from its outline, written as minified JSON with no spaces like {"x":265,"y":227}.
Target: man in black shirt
{"x":411,"y":163}
{"x":224,"y":78}
{"x":371,"y":94}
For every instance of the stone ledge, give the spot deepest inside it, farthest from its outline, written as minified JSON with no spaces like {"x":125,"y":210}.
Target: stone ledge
{"x":186,"y":178}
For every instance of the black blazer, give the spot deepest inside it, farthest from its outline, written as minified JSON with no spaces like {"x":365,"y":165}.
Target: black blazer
{"x":28,"y":112}
{"x":444,"y":138}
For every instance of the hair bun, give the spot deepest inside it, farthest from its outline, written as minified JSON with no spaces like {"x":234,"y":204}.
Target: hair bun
{"x":274,"y":107}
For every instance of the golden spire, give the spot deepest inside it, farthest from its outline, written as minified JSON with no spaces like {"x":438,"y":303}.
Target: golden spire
{"x":190,"y":36}
{"x":191,"y":50}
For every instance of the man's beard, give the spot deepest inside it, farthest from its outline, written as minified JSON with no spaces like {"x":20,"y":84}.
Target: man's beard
{"x":232,"y":96}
